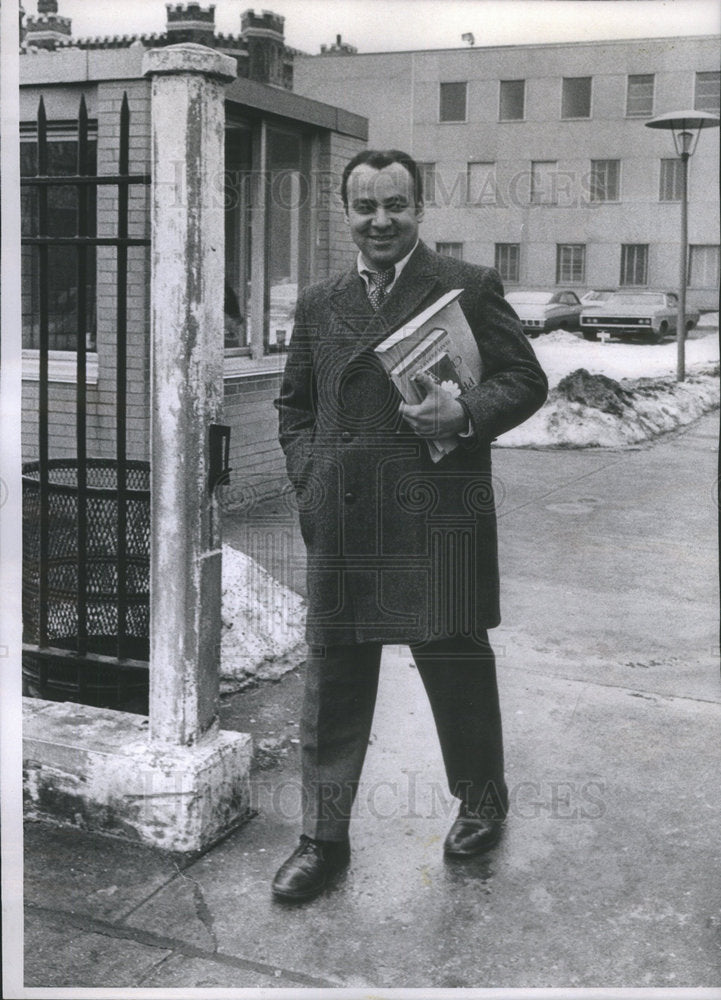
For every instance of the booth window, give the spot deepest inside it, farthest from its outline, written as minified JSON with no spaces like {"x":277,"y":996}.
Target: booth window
{"x":268,"y":234}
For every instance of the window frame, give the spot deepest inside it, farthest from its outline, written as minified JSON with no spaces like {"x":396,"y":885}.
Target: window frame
{"x":639,"y":76}
{"x":713,"y":286}
{"x":452,"y":83}
{"x":428,"y":170}
{"x":515,"y":250}
{"x":593,"y":188}
{"x":576,"y":118}
{"x":520,"y":118}
{"x":677,"y":178}
{"x":716,"y":109}
{"x":532,"y":198}
{"x":62,"y":362}
{"x":446,"y":243}
{"x":625,"y":248}
{"x":492,"y":173}
{"x":561,"y":264}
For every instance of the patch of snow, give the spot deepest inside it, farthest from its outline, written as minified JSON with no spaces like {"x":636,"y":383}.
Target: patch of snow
{"x":262,"y":623}
{"x":561,"y":352}
{"x":655,"y":406}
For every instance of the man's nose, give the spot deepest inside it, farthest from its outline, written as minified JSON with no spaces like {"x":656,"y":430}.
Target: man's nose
{"x":381,"y":219}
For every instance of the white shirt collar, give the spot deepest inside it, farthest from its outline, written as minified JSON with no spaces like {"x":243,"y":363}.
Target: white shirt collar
{"x":399,"y":265}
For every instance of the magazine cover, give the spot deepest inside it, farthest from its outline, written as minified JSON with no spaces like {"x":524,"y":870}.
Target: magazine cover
{"x":439,"y":343}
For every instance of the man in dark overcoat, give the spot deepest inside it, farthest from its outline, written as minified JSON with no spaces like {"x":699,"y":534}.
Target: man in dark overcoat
{"x":400,"y":549}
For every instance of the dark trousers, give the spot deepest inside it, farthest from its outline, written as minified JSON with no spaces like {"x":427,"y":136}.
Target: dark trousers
{"x":341,"y":683}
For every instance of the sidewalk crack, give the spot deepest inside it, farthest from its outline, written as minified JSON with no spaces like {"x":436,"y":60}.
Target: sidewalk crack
{"x":202,"y":910}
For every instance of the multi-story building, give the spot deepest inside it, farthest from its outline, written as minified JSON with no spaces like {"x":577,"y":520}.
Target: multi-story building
{"x":536,"y":158}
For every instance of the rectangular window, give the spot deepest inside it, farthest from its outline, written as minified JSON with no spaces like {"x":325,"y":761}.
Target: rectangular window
{"x":570,"y":263}
{"x":604,"y":180}
{"x":703,"y":267}
{"x":508,"y":261}
{"x":481,"y":184}
{"x":268,"y":234}
{"x":453,"y":102}
{"x":63,"y":204}
{"x":428,"y":178}
{"x":450,"y":250}
{"x":671,"y":180}
{"x":639,"y":96}
{"x":707,"y":97}
{"x":543,"y":182}
{"x":576,"y":97}
{"x":512,"y":101}
{"x":634,"y":264}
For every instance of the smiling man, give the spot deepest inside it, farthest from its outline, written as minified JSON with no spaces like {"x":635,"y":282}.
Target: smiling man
{"x":400,"y":549}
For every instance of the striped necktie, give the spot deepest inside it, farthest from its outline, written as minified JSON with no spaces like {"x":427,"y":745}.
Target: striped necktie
{"x":378,"y":281}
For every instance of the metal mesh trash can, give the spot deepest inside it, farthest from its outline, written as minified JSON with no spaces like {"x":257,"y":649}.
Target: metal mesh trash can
{"x":90,"y":642}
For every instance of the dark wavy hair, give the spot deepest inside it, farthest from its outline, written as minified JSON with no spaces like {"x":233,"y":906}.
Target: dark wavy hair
{"x":379,"y":158}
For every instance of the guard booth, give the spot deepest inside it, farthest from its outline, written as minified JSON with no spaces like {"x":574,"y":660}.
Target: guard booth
{"x":86,"y":161}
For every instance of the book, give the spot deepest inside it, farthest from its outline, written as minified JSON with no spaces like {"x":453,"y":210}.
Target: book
{"x":439,"y":343}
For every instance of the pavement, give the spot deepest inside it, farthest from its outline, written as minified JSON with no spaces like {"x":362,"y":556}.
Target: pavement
{"x":607,"y":874}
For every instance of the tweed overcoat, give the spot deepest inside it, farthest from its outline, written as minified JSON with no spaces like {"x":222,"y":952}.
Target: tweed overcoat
{"x":399,"y":549}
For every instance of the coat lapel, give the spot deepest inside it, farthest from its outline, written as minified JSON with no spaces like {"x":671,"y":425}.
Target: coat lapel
{"x":415,"y":287}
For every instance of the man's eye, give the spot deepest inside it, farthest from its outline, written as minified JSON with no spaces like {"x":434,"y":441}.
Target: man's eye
{"x":364,"y":207}
{"x":396,"y":206}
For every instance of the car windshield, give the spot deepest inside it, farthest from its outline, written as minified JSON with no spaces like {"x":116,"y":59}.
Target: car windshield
{"x":529,"y":298}
{"x":597,"y":295}
{"x":638,"y":299}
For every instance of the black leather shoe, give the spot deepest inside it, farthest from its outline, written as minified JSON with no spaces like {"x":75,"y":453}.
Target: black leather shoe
{"x":472,"y":834}
{"x":309,"y":869}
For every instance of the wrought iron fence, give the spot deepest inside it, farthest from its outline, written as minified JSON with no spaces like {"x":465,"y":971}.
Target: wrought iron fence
{"x":86,"y":530}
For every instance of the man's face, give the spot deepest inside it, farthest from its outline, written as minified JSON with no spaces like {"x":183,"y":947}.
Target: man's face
{"x":382,"y":213}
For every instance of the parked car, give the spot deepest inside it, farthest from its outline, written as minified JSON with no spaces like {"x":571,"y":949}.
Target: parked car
{"x":540,"y":312}
{"x":651,"y":315}
{"x":594,"y":296}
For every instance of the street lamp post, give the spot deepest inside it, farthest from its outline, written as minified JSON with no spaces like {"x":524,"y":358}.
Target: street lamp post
{"x":686,"y":127}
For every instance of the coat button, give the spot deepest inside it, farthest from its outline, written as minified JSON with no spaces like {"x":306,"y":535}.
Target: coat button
{"x":349,"y":497}
{"x":346,"y":436}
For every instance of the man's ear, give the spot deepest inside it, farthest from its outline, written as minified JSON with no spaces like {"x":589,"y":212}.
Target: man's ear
{"x":420,"y":209}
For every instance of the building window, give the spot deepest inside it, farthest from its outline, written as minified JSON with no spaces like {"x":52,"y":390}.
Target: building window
{"x":671,"y":180}
{"x":512,"y":102}
{"x":543,"y":182}
{"x":639,"y":96}
{"x":428,"y":179}
{"x":268,"y":234}
{"x":481,"y":184}
{"x":450,"y":250}
{"x":703,"y":267}
{"x":453,"y":102}
{"x":62,"y":261}
{"x":508,"y":261}
{"x":604,"y":180}
{"x":576,"y":97}
{"x":634,"y":264}
{"x":707,"y":93}
{"x":570,"y":263}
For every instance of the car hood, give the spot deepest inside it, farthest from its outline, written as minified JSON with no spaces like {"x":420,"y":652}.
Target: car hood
{"x":619,"y":309}
{"x":532,"y":311}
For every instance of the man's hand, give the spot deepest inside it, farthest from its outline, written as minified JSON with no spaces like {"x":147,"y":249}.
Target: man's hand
{"x":439,"y":415}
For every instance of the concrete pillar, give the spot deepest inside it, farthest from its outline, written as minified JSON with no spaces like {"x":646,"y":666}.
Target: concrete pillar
{"x":187,"y":281}
{"x":185,"y":783}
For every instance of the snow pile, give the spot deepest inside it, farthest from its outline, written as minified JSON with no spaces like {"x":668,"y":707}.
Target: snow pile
{"x":631,"y":411}
{"x":617,"y":394}
{"x":262,"y":623}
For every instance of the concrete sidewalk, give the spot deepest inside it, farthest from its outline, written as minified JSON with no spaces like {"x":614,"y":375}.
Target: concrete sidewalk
{"x":608,"y":872}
